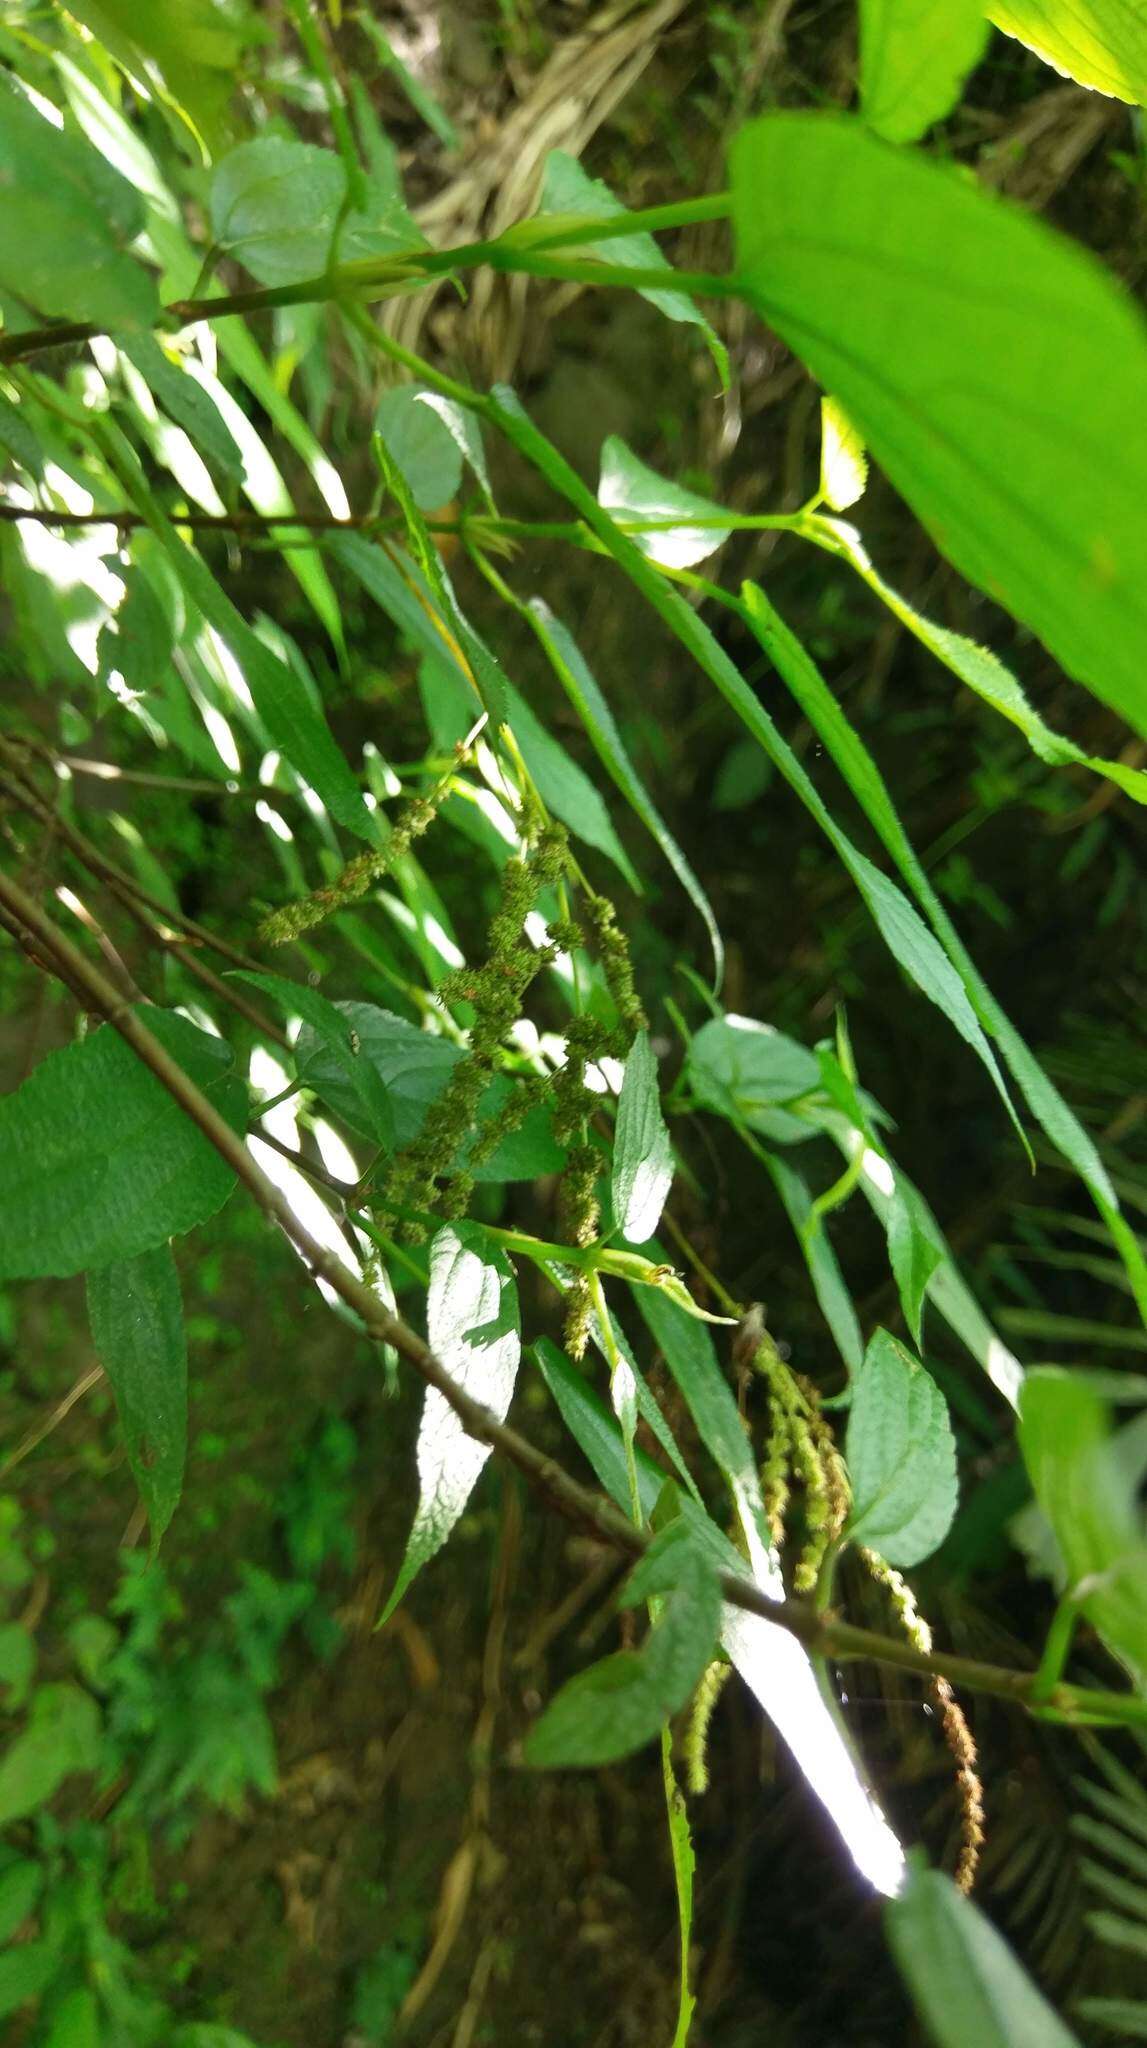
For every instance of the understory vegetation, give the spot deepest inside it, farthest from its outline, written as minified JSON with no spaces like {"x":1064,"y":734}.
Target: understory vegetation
{"x":573,"y":951}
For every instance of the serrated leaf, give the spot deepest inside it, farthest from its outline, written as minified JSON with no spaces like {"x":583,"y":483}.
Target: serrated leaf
{"x":61,"y":1735}
{"x":415,"y":1067}
{"x":912,"y":1249}
{"x":422,"y":445}
{"x":66,"y":220}
{"x":184,"y":401}
{"x":566,"y":189}
{"x":914,"y":58}
{"x":964,"y":1980}
{"x":901,"y":1456}
{"x":843,"y":462}
{"x":1001,"y":414}
{"x":621,"y":1703}
{"x":98,"y":1163}
{"x":374,"y":1113}
{"x":629,"y":487}
{"x":642,"y":1152}
{"x":1089,"y":1496}
{"x":136,"y":1317}
{"x":472,"y":1327}
{"x":1100,"y":43}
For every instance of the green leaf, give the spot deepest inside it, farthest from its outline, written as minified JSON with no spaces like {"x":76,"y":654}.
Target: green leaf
{"x":136,"y":1317}
{"x":421,"y":444}
{"x":20,"y":1886}
{"x":914,"y":58}
{"x":139,"y":640}
{"x":566,"y":189}
{"x":415,"y":1067}
{"x":621,"y":1703}
{"x":964,"y":1980}
{"x":472,"y":1327}
{"x":913,"y":1250}
{"x":61,"y":1735}
{"x":1090,"y":1499}
{"x":26,"y":1972}
{"x":17,"y":437}
{"x":17,"y":1664}
{"x":76,"y":2020}
{"x":901,"y":1456}
{"x":280,"y":697}
{"x":588,"y":701}
{"x":978,"y":667}
{"x":276,"y":204}
{"x":642,"y":1153}
{"x":688,"y":1350}
{"x":627,"y":486}
{"x":66,"y":221}
{"x":1100,"y":43}
{"x":98,"y":1163}
{"x":185,"y":401}
{"x":737,"y":1064}
{"x":566,"y":789}
{"x":336,"y":1037}
{"x":1001,"y":414}
{"x":843,"y":462}
{"x":196,"y":44}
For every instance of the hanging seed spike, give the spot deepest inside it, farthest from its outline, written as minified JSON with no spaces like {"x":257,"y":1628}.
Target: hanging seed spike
{"x":696,"y":1743}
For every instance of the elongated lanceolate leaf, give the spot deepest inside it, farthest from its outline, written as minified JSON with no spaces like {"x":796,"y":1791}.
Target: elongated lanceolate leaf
{"x":901,"y":1456}
{"x":642,"y":1153}
{"x":472,"y":1326}
{"x":98,"y":1163}
{"x":965,"y":1982}
{"x":136,"y":1317}
{"x":990,"y":364}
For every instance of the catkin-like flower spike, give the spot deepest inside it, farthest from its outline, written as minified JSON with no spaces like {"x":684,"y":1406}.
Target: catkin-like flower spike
{"x":696,"y":1744}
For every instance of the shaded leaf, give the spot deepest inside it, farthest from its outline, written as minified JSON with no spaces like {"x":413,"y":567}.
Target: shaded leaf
{"x":964,"y":1980}
{"x":913,"y":1250}
{"x":99,"y":1163}
{"x":424,"y":448}
{"x":566,"y":189}
{"x":621,"y":1703}
{"x":1089,"y":1497}
{"x":901,"y":1456}
{"x":61,"y":1735}
{"x":737,"y":1064}
{"x":472,"y":1327}
{"x":276,"y":204}
{"x":338,"y":1041}
{"x":136,"y":1317}
{"x":66,"y":220}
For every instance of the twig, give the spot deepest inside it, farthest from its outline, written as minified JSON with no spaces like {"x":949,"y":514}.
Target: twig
{"x":822,"y":1635}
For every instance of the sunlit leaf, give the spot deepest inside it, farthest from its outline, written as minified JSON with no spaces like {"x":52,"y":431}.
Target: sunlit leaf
{"x":843,"y":463}
{"x":901,"y":1456}
{"x":136,"y":1317}
{"x":991,"y":366}
{"x":630,"y":489}
{"x":1101,"y":43}
{"x":472,"y":1327}
{"x":914,"y":58}
{"x":642,"y":1153}
{"x":185,"y":401}
{"x":276,"y":204}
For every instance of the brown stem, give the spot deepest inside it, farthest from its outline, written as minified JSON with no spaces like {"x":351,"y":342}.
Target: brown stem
{"x":822,"y":1634}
